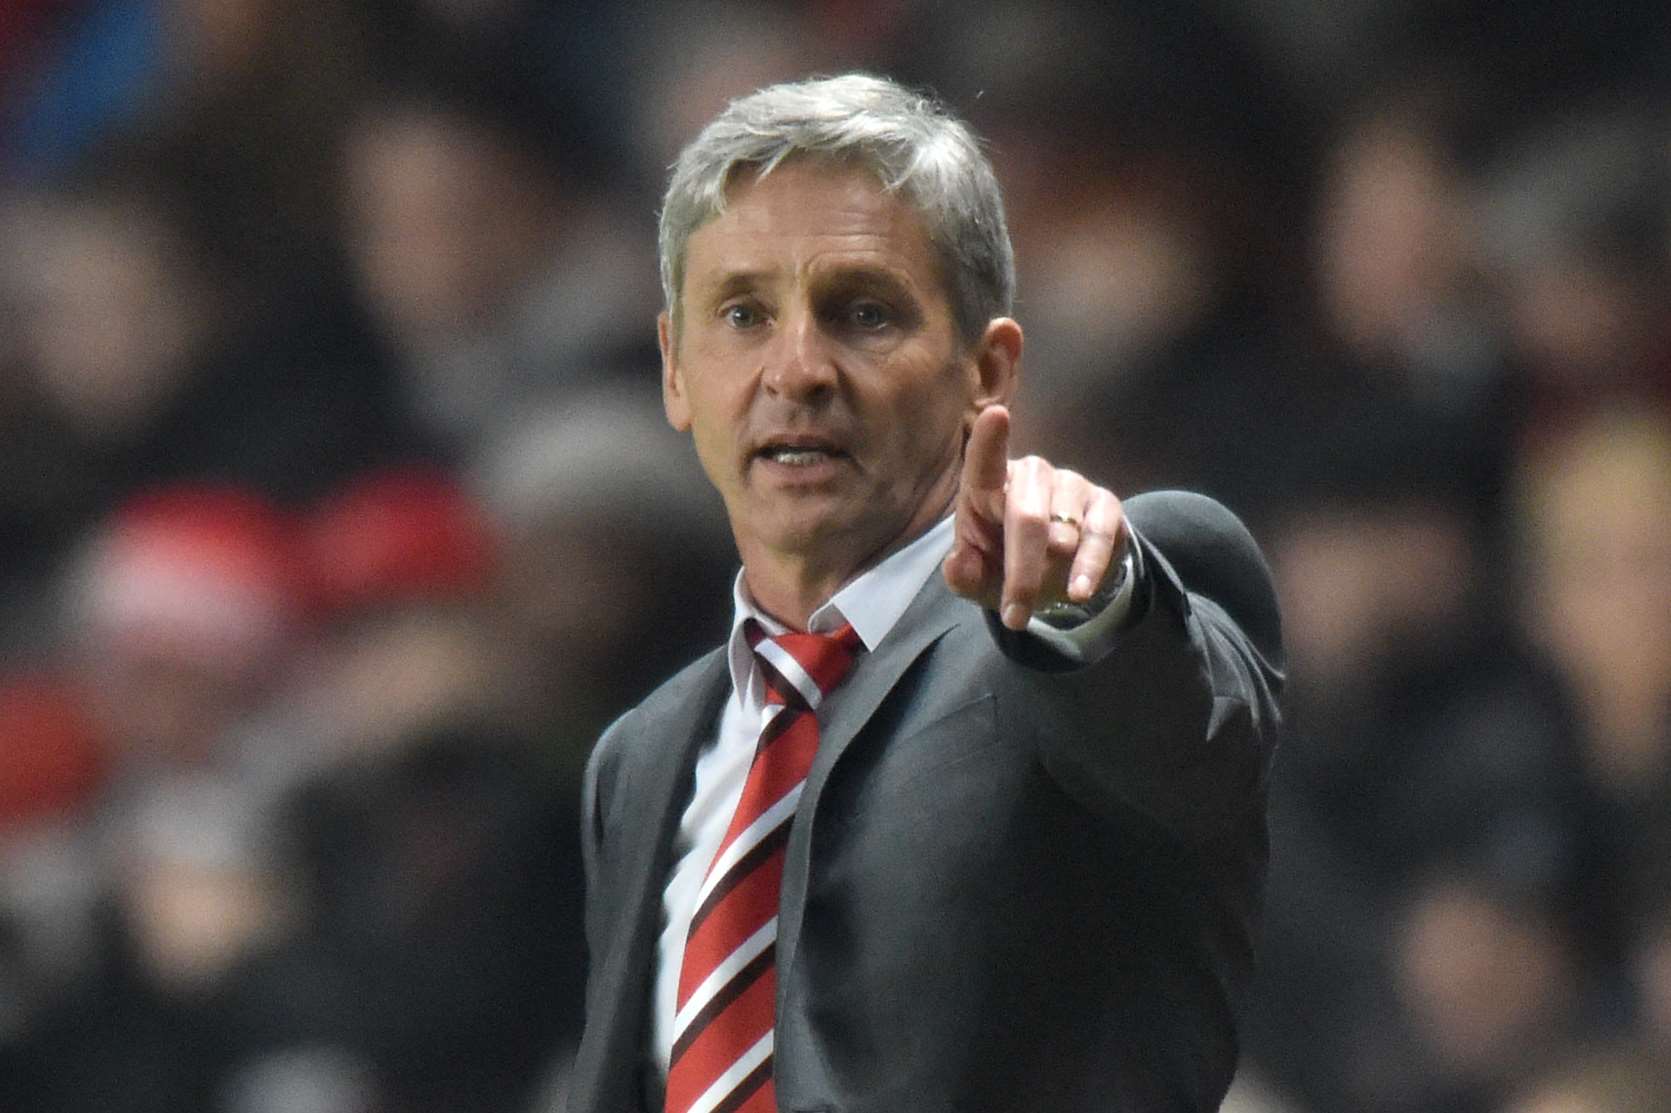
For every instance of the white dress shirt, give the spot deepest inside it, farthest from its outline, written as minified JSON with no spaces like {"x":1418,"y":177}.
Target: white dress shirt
{"x":873,"y":603}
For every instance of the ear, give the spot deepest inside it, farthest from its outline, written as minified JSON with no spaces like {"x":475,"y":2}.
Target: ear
{"x":997,"y":364}
{"x":673,"y":399}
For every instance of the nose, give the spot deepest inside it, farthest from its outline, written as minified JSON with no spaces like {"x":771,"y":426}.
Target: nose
{"x":800,"y":365}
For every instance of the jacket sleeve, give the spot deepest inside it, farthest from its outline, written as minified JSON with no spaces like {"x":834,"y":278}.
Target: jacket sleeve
{"x":1178,"y":718}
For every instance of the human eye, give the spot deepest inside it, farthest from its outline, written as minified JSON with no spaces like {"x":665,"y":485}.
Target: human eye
{"x":869,"y":315}
{"x":741,"y":315}
{"x":869,"y":307}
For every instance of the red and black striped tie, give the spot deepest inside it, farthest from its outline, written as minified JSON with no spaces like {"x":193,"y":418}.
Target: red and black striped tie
{"x":722,"y":1026}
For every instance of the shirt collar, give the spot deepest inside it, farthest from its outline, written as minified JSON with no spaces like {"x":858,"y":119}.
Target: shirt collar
{"x":873,"y":601}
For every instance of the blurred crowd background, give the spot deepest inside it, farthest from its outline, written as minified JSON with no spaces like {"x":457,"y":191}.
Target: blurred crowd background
{"x":337,"y":514}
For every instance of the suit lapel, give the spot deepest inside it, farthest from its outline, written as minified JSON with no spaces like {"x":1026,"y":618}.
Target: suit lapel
{"x":931,"y":614}
{"x":663,"y":762}
{"x":658,"y":780}
{"x":662,"y":784}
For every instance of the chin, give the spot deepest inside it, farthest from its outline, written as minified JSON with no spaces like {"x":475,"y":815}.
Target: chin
{"x":807,"y":533}
{"x":820,"y":528}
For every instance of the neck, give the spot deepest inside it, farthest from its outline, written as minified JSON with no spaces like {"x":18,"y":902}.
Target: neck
{"x":792,"y":601}
{"x":790,"y":586}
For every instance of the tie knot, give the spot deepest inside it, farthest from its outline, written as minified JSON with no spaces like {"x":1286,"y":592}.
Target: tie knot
{"x":803,"y":668}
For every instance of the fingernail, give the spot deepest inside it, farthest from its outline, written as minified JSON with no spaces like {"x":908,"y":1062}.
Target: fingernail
{"x":1015,"y":616}
{"x":1082,"y":586}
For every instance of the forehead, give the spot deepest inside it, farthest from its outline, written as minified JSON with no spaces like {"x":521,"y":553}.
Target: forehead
{"x":808,"y":215}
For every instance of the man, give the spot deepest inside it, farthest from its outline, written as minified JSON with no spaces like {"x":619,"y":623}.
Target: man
{"x":968,"y":814}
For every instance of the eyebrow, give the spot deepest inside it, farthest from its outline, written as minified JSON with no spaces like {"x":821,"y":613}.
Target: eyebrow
{"x":734,"y":281}
{"x":844,"y":279}
{"x":880,"y":280}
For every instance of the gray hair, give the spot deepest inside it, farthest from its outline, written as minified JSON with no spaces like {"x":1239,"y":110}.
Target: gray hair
{"x":909,"y":140}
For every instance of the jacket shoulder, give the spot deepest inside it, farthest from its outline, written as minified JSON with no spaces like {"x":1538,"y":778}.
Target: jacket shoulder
{"x":1213,"y":555}
{"x":675,"y":696}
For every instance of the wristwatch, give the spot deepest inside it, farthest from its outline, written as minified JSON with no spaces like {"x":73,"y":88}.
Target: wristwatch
{"x":1116,"y":587}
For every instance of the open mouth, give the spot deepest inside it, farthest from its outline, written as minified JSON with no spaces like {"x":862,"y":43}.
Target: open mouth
{"x":799,"y":454}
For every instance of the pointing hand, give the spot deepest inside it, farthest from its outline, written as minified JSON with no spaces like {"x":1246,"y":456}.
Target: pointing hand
{"x":1027,"y":534}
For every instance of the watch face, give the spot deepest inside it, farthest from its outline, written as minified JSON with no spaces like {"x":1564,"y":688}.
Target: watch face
{"x":1064,"y":615}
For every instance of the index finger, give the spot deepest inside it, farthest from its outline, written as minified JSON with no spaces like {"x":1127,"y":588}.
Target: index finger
{"x":986,"y":456}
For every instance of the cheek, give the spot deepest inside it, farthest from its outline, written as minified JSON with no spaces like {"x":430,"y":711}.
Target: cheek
{"x":928,"y":404}
{"x":714,"y":451}
{"x":717,"y":424}
{"x":923,"y":440}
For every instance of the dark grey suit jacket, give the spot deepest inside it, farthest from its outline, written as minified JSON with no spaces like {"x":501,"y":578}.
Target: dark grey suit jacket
{"x":1016,"y":881}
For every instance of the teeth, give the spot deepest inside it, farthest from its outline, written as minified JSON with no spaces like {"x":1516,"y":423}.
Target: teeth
{"x":799,"y":457}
